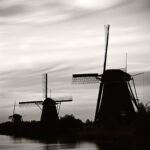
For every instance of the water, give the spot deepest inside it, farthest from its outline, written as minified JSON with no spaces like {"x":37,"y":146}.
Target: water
{"x":11,"y":143}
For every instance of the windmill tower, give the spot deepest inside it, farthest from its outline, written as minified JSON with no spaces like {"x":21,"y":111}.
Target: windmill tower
{"x":116,"y":100}
{"x":51,"y":106}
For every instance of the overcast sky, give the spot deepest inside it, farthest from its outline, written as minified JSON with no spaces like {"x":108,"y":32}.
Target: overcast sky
{"x":63,"y":37}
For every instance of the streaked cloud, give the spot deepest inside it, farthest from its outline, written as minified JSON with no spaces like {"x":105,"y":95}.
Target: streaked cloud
{"x":62,"y":37}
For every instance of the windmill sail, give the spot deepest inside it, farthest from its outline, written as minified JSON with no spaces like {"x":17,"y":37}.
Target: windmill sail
{"x":85,"y":78}
{"x":104,"y":68}
{"x":30,"y":102}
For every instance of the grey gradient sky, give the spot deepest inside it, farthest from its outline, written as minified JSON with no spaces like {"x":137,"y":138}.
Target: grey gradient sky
{"x":63,"y":37}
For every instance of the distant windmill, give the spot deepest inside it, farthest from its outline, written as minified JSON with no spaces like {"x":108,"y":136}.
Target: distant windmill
{"x":16,"y":118}
{"x":51,"y":106}
{"x":116,"y":99}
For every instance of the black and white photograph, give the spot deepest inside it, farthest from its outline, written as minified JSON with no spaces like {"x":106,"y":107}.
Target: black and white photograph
{"x":74,"y":74}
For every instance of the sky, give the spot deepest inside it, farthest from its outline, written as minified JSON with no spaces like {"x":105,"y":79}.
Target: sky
{"x":63,"y":37}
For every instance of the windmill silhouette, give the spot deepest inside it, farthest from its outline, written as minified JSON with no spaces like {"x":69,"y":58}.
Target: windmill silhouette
{"x":16,"y":118}
{"x":116,"y":100}
{"x":51,"y":106}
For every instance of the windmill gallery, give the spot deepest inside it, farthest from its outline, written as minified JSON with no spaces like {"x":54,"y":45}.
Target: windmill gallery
{"x":118,"y":110}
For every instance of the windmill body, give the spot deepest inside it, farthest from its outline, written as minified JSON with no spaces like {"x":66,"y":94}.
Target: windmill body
{"x":49,"y":112}
{"x":116,"y":101}
{"x":16,"y":118}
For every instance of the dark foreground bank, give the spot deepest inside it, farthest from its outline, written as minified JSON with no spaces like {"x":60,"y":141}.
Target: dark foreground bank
{"x":70,"y":128}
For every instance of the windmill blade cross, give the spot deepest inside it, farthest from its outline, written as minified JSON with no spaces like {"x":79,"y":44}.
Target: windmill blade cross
{"x":30,"y":102}
{"x":89,"y":78}
{"x":138,"y":74}
{"x":37,"y":103}
{"x":59,"y":101}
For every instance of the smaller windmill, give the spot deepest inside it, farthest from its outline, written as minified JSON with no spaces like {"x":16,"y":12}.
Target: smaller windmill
{"x":16,"y":118}
{"x":51,"y":106}
{"x":116,"y":98}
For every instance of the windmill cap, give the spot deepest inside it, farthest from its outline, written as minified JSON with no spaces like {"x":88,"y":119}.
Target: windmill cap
{"x":115,"y":75}
{"x":49,"y":101}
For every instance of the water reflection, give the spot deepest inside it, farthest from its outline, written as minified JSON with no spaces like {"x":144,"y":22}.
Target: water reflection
{"x":71,"y":146}
{"x":11,"y":143}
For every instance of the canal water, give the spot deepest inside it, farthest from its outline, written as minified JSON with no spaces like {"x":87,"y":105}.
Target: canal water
{"x":12,"y":143}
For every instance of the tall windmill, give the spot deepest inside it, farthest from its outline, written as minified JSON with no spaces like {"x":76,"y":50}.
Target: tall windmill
{"x":116,"y":99}
{"x":51,"y":106}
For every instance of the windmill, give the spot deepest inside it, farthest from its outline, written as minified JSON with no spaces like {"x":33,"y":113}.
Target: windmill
{"x":51,"y":106}
{"x":116,"y":99}
{"x":16,"y":118}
